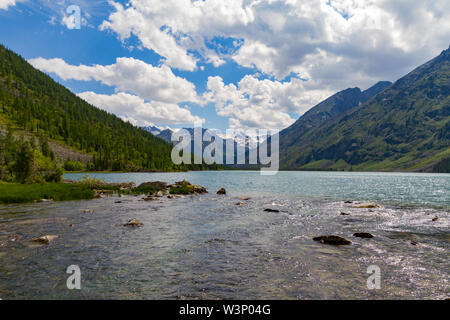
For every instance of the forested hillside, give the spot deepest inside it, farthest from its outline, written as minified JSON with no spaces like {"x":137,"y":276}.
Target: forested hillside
{"x":405,"y":127}
{"x":37,"y":104}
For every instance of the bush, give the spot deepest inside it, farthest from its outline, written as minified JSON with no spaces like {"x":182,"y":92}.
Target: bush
{"x":70,"y":165}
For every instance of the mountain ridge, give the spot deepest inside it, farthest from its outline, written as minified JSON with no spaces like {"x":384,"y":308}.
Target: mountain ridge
{"x":405,"y":127}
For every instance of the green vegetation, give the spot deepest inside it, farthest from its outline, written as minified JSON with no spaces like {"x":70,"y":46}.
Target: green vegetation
{"x":70,"y":165}
{"x":22,"y":193}
{"x":86,"y":188}
{"x":34,"y":103}
{"x":183,"y":189}
{"x":404,"y":127}
{"x":26,"y":161}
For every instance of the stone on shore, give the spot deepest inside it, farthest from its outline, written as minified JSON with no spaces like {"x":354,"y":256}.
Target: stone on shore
{"x":364,"y":235}
{"x":45,"y":239}
{"x":133,"y":223}
{"x":367,"y":206}
{"x":222,"y":191}
{"x":334,"y":240}
{"x":271,"y":210}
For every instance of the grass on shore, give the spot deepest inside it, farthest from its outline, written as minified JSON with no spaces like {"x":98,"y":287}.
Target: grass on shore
{"x":23,"y":193}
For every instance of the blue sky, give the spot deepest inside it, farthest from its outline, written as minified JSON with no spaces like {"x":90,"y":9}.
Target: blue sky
{"x":237,"y":63}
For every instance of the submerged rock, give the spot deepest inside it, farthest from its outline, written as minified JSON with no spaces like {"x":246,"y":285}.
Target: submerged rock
{"x":222,"y":191}
{"x":45,"y":239}
{"x":271,"y":210}
{"x":414,"y":243}
{"x":367,"y":206}
{"x":435,"y":219}
{"x":344,"y":213}
{"x":348,"y":201}
{"x":240,"y":203}
{"x":133,"y":223}
{"x":364,"y":235}
{"x":245,"y":198}
{"x":334,"y":240}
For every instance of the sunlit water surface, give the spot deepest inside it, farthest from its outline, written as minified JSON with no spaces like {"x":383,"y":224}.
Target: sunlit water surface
{"x":207,"y":247}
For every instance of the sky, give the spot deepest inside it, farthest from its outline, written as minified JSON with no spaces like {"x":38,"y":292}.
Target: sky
{"x":236,"y":64}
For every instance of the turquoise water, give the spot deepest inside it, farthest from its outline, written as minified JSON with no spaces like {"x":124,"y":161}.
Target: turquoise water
{"x":393,"y":188}
{"x":207,"y":247}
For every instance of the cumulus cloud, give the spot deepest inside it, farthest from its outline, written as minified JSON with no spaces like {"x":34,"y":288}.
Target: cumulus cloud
{"x":139,"y":112}
{"x":5,"y":4}
{"x":144,"y":94}
{"x":129,"y":75}
{"x":254,"y":103}
{"x":278,"y":36}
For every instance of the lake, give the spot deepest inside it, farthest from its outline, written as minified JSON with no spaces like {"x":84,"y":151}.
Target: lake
{"x":208,"y":247}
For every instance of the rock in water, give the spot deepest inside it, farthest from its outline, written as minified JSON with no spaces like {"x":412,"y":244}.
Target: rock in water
{"x":348,"y":201}
{"x":87,"y":211}
{"x":133,"y":223}
{"x":364,"y":235}
{"x":335,"y":240}
{"x":240,"y":203}
{"x":45,"y":239}
{"x":244,"y":198}
{"x":435,"y":219}
{"x":158,"y":185}
{"x":222,"y":191}
{"x":271,"y":210}
{"x":367,"y":206}
{"x":344,"y":213}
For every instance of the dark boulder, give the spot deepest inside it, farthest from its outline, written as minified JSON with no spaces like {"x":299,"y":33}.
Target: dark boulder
{"x":222,"y":191}
{"x":364,"y":235}
{"x":334,"y":240}
{"x":271,"y":210}
{"x":158,"y":185}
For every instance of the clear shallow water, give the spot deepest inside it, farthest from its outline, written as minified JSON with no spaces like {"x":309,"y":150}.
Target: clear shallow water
{"x":207,"y":247}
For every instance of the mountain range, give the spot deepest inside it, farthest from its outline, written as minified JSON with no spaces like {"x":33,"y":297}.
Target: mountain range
{"x":404,"y":126}
{"x":400,"y":126}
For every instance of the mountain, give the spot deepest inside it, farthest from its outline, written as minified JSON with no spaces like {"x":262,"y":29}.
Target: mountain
{"x":328,"y":109}
{"x":153,"y":130}
{"x":404,"y":127}
{"x":35,"y":104}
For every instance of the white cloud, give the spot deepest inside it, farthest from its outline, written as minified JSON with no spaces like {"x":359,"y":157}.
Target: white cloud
{"x":255,"y":103}
{"x":5,"y":4}
{"x":279,"y":35}
{"x":129,"y":75}
{"x":135,"y":110}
